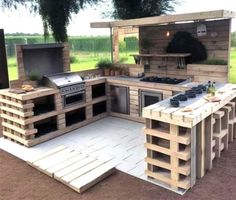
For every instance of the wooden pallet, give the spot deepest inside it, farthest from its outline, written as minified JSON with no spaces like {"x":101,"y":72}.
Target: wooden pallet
{"x":77,"y":170}
{"x":168,"y":154}
{"x":13,"y":112}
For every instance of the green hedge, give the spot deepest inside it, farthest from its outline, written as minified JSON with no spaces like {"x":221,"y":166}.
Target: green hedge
{"x":85,"y":44}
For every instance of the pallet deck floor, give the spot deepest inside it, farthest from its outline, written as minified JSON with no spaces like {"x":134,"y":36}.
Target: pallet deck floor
{"x":119,"y":140}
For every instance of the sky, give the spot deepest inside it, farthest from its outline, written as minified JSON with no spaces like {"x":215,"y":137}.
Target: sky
{"x":22,"y":20}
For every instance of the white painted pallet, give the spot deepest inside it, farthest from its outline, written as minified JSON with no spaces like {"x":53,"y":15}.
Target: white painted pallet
{"x":73,"y":168}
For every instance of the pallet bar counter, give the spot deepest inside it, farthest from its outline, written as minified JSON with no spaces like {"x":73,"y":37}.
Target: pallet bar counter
{"x":182,"y":142}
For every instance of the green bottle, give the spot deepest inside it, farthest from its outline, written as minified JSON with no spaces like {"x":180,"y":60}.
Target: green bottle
{"x":209,"y":87}
{"x":213,"y":90}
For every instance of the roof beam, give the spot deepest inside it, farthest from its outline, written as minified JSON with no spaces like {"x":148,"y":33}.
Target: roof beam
{"x":166,"y":19}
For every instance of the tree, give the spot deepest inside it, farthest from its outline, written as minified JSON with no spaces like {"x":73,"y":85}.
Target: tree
{"x":55,"y":15}
{"x":130,"y":9}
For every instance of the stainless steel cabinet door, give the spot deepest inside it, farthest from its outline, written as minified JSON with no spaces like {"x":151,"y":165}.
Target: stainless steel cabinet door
{"x":120,"y":99}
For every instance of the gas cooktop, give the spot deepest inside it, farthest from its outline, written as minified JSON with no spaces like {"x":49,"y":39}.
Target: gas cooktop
{"x":165,"y":80}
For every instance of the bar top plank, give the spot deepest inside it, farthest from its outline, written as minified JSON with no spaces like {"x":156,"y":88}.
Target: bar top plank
{"x":200,"y":108}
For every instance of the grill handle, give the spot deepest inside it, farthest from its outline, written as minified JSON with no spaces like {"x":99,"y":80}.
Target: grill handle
{"x":74,"y":93}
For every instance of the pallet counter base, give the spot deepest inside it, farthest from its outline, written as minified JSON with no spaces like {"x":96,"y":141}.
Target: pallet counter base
{"x":181,"y":151}
{"x":38,"y":116}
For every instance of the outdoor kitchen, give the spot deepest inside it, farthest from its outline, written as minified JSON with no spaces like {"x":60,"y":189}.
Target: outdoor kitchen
{"x":186,"y":107}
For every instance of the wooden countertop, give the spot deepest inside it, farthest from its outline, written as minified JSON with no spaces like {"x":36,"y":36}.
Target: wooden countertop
{"x":125,"y":81}
{"x":132,"y":81}
{"x":38,"y":92}
{"x":129,"y":81}
{"x":200,"y":108}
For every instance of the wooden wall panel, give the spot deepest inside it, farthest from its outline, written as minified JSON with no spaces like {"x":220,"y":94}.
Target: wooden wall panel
{"x":216,"y":42}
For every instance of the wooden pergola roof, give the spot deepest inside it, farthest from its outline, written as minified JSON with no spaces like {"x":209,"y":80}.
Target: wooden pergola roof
{"x":208,"y":15}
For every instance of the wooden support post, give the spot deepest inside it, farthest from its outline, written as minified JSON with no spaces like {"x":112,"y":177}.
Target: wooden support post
{"x":4,"y":81}
{"x":229,"y":46}
{"x":149,"y":140}
{"x":89,"y":112}
{"x":88,"y":94}
{"x":208,"y":142}
{"x":193,"y":156}
{"x":200,"y":149}
{"x":225,"y":126}
{"x":108,"y":93}
{"x":116,"y":45}
{"x":58,"y":101}
{"x":174,"y":147}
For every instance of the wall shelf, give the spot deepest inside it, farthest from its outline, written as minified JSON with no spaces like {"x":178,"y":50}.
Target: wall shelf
{"x":146,"y":59}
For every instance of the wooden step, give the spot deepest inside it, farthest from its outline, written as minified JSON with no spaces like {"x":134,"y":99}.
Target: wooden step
{"x":91,"y":178}
{"x":73,"y":168}
{"x":46,"y":154}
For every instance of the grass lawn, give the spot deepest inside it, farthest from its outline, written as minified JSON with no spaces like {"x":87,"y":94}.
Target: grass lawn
{"x":87,"y":61}
{"x":233,"y":66}
{"x":83,"y":61}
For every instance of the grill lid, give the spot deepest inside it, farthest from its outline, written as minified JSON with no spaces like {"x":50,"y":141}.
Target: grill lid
{"x":62,"y":79}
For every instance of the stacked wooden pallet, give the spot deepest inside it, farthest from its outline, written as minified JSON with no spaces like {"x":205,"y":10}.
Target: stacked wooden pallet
{"x":169,"y":154}
{"x":224,"y":128}
{"x":73,"y":168}
{"x":181,"y":145}
{"x":21,"y":123}
{"x":18,"y":116}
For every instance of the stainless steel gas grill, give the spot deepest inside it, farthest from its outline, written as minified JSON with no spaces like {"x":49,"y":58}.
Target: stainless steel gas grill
{"x":70,"y":85}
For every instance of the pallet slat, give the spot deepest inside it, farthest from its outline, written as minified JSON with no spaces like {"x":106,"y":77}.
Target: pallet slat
{"x":75,"y":169}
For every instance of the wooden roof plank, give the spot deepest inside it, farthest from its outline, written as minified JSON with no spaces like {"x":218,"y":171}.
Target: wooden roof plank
{"x":216,"y":14}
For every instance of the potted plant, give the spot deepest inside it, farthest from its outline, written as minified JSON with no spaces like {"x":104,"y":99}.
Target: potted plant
{"x":105,"y":65}
{"x":145,"y":45}
{"x":112,"y":71}
{"x":124,"y":71}
{"x":33,"y":78}
{"x":117,"y":71}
